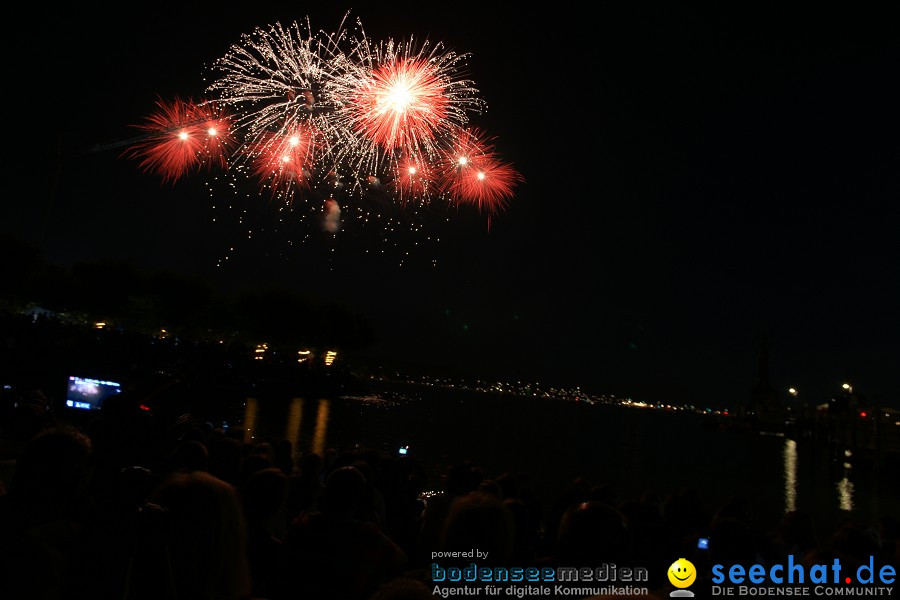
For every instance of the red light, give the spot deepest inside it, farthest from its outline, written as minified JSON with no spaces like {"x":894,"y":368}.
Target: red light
{"x":726,"y":412}
{"x":863,"y":414}
{"x":144,"y":407}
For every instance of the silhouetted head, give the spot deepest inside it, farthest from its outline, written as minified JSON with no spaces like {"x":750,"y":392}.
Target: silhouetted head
{"x":253,"y":463}
{"x":731,"y":541}
{"x":591,"y":533}
{"x":190,"y":456}
{"x":311,"y":465}
{"x":207,"y":536}
{"x":480,"y":520}
{"x":854,"y":543}
{"x":797,"y":530}
{"x":489,"y":486}
{"x":53,"y":469}
{"x":508,"y":485}
{"x":345,"y":490}
{"x":264,"y":493}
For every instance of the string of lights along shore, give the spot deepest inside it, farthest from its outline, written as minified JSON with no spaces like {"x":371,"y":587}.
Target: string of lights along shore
{"x":324,"y":118}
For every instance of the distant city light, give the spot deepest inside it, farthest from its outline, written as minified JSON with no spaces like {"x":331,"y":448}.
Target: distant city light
{"x":329,"y":357}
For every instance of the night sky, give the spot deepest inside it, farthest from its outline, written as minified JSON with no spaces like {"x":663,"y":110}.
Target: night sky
{"x":695,"y":180}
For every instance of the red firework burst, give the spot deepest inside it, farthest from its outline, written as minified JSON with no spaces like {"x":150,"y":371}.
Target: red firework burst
{"x":180,"y":136}
{"x":286,"y":158}
{"x":466,"y":147}
{"x":173,"y":141}
{"x":401,"y":105}
{"x":217,"y":137}
{"x":486,"y":183}
{"x":413,"y":178}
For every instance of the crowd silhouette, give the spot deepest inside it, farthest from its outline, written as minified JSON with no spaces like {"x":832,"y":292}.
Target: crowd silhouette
{"x":136,"y":505}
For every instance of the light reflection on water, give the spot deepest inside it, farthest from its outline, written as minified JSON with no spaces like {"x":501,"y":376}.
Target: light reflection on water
{"x":251,"y":408}
{"x":292,"y":429}
{"x":596,"y":442}
{"x":790,"y":475}
{"x":320,"y":434}
{"x":845,"y":494}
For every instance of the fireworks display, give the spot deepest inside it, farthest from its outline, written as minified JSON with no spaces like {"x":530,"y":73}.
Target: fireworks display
{"x":312,"y":114}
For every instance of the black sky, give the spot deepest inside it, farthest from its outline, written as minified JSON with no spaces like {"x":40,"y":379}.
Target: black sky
{"x":695,"y":180}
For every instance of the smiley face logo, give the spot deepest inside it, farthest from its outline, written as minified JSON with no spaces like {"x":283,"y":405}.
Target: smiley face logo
{"x":682,"y":573}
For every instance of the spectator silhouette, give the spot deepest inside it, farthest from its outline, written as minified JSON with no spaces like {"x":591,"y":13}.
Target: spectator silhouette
{"x":482,"y":521}
{"x":263,"y":496}
{"x":331,"y":554}
{"x":306,"y":488}
{"x":462,"y":478}
{"x":42,"y":516}
{"x":195,"y":544}
{"x":592,"y":533}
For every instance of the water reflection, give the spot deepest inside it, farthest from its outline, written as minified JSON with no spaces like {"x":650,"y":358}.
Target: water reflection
{"x":250,"y":410}
{"x":845,"y":493}
{"x":292,"y":430}
{"x":790,"y":475}
{"x":321,"y":431}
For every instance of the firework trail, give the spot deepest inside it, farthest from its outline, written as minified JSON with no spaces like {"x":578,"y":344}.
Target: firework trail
{"x":320,"y":113}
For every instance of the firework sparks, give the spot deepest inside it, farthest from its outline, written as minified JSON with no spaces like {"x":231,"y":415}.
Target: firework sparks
{"x":281,"y":79}
{"x":401,"y":106}
{"x":403,"y":99}
{"x":335,"y":113}
{"x":215,"y":134}
{"x":283,"y":160}
{"x":182,"y":136}
{"x":413,"y":179}
{"x":172,"y":143}
{"x":486,"y":183}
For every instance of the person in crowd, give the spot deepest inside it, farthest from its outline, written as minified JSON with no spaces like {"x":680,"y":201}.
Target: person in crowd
{"x":331,"y":553}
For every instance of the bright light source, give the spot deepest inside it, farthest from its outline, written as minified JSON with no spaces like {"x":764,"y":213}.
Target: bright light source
{"x":183,"y":135}
{"x":398,"y":98}
{"x":212,"y":132}
{"x":260,"y":351}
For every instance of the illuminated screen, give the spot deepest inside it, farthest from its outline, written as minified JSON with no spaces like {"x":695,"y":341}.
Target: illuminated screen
{"x":89,"y":394}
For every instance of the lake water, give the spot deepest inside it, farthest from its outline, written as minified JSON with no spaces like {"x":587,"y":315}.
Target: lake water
{"x":635,"y":450}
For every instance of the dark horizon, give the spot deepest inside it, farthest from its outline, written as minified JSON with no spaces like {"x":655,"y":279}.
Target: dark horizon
{"x":695,"y":181}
